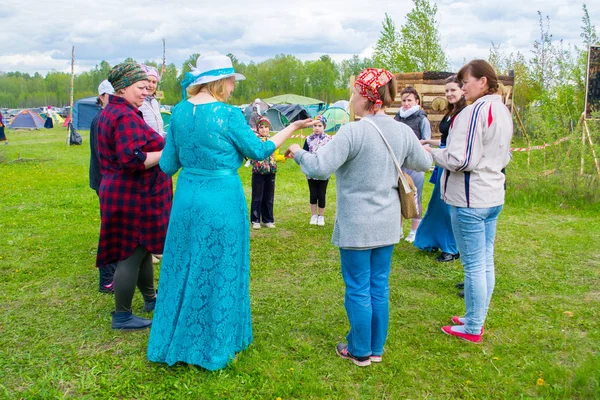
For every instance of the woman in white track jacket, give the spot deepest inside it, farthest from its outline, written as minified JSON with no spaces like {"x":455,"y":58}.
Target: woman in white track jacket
{"x":473,"y":185}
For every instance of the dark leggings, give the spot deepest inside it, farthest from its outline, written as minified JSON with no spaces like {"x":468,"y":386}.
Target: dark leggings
{"x":134,"y":271}
{"x":318,"y":191}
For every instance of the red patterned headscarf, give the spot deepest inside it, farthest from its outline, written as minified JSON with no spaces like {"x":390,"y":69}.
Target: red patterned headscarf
{"x":369,"y":81}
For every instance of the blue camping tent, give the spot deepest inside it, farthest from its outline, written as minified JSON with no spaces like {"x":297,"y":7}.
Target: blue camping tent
{"x":27,"y":119}
{"x":277,"y":119}
{"x":293,"y":112}
{"x":314,"y":109}
{"x":84,"y":111}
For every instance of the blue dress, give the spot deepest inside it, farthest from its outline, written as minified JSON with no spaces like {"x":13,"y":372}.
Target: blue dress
{"x":435,"y":229}
{"x":202,"y":313}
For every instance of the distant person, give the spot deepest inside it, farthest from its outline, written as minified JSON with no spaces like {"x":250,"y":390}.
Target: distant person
{"x":435,"y":230}
{"x":203,"y":313}
{"x":412,"y":115}
{"x":135,"y":195}
{"x":150,"y":108}
{"x":254,"y":117}
{"x":317,"y":187}
{"x":263,"y":182}
{"x":477,"y":151}
{"x":2,"y":125}
{"x":368,"y":207}
{"x":49,"y":123}
{"x":106,"y":272}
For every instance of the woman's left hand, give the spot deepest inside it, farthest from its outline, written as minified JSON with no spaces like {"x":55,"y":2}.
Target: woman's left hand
{"x":427,"y":148}
{"x":289,"y":153}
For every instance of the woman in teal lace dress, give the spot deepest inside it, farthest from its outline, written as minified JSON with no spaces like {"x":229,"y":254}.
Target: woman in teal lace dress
{"x":202,"y":313}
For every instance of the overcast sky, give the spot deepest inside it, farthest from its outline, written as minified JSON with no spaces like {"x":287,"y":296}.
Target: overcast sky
{"x":38,"y":35}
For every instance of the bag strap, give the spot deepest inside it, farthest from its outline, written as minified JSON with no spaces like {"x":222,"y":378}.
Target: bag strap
{"x":407,"y":188}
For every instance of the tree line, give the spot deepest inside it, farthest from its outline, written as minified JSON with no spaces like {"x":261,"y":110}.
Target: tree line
{"x":323,"y":78}
{"x":552,"y":81}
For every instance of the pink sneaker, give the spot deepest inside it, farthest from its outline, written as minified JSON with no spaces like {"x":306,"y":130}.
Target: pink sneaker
{"x":342,"y":351}
{"x":376,"y":359}
{"x":456,"y":321}
{"x":464,"y":336}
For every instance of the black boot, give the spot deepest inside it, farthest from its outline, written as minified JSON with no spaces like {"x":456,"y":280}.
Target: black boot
{"x":446,"y":257}
{"x":126,"y":321}
{"x":149,"y":305}
{"x":107,"y":274}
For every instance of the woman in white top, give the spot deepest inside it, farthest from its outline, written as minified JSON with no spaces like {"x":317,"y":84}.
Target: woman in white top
{"x":477,"y":151}
{"x":151,"y":109}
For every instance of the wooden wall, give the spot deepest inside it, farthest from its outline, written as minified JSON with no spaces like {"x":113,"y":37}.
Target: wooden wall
{"x":431,"y":88}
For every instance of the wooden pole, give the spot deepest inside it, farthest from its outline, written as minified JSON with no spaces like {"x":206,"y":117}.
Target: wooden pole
{"x":589,"y":137}
{"x":524,"y":134}
{"x":69,"y":126}
{"x":581,"y":120}
{"x":164,"y":60}
{"x":351,"y":107}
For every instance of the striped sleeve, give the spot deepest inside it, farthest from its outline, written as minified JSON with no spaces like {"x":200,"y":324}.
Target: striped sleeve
{"x":465,"y":145}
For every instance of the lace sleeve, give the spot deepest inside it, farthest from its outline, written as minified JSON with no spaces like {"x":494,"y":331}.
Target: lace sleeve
{"x":169,"y":161}
{"x":245,"y":140}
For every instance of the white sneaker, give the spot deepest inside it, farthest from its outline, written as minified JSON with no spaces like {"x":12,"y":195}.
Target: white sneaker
{"x":321,"y":220}
{"x":255,"y":225}
{"x":269,"y":225}
{"x":313,"y":219}
{"x":411,"y":237}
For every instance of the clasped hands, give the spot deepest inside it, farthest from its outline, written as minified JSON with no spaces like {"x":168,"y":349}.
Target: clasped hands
{"x":425,"y":144}
{"x":307,"y":123}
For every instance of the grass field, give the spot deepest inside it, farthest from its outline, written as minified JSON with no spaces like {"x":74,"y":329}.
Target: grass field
{"x":542,"y":335}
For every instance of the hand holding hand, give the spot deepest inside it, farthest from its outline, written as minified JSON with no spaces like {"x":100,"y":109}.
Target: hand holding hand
{"x":289,"y":153}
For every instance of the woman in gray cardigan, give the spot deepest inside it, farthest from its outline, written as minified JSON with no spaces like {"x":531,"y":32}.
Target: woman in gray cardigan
{"x":368,"y":209}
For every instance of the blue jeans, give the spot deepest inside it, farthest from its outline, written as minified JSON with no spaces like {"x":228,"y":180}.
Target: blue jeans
{"x":366,"y":274}
{"x":475,"y":230}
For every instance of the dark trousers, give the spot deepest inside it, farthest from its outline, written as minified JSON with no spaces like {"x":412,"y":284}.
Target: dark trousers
{"x":134,"y":271}
{"x":318,"y":191}
{"x":107,"y":273}
{"x":263,"y":196}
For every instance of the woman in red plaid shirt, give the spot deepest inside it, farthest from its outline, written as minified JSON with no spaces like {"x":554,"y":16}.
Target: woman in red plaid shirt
{"x":135,"y":195}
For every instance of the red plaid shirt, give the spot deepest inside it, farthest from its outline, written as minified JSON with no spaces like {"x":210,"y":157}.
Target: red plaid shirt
{"x":135,"y":202}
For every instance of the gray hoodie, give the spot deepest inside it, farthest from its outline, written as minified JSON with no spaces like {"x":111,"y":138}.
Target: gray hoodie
{"x":368,"y":207}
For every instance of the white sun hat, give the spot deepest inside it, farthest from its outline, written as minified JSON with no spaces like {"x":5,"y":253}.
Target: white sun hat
{"x":105,"y":87}
{"x":210,"y":69}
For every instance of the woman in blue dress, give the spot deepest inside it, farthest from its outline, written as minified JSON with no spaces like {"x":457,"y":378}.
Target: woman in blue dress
{"x":435,"y":230}
{"x":202,"y":312}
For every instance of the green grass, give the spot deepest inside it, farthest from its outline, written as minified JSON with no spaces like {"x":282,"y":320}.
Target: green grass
{"x":56,"y":341}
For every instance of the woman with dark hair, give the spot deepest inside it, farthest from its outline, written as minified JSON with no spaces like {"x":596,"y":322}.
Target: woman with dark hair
{"x":413,"y":115}
{"x":435,"y":230}
{"x":135,"y":195}
{"x":367,"y":223}
{"x":477,"y":151}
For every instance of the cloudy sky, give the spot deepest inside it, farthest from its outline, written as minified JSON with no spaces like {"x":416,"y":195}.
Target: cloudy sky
{"x":38,"y":35}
